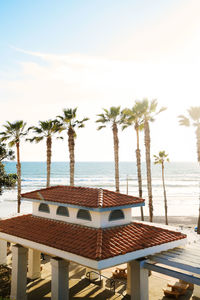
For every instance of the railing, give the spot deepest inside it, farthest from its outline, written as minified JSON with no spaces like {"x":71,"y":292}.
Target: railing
{"x":112,"y":282}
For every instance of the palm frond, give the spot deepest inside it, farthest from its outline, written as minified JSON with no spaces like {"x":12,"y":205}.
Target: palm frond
{"x":194,"y":113}
{"x":124,"y":127}
{"x":100,"y":127}
{"x":161,"y":110}
{"x":101,"y":120}
{"x":12,"y":143}
{"x":161,"y":158}
{"x":153,"y":105}
{"x":184,"y":121}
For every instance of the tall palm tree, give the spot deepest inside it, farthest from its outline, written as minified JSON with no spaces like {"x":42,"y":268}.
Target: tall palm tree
{"x":46,"y":130}
{"x":161,"y":158}
{"x":13,"y":133}
{"x":194,"y":120}
{"x":133,"y":117}
{"x":148,"y":110}
{"x":112,"y":116}
{"x":69,"y":122}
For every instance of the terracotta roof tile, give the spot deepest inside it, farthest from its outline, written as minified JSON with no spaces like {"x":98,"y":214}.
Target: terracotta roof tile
{"x":83,"y":196}
{"x":90,"y":242}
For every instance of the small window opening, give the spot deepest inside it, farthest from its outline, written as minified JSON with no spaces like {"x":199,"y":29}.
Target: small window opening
{"x":116,"y":215}
{"x":44,"y":208}
{"x":84,"y":215}
{"x":62,"y":211}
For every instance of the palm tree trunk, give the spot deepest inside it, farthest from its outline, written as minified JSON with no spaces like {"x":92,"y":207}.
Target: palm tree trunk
{"x":71,"y":144}
{"x":148,"y":167}
{"x":139,"y":174}
{"x":198,"y":143}
{"x":18,"y":178}
{"x":198,"y":157}
{"x":165,"y":196}
{"x":116,"y":155}
{"x":48,"y":143}
{"x":198,"y":224}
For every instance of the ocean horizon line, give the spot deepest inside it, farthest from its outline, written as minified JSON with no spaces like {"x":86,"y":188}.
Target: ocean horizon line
{"x":90,"y":161}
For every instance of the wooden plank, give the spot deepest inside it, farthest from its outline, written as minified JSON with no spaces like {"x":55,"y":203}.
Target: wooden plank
{"x":189,"y":258}
{"x":173,"y":257}
{"x":186,"y":254}
{"x":186,"y":250}
{"x":183,"y":261}
{"x":181,"y":253}
{"x":179,"y":264}
{"x":194,"y":246}
{"x":172,"y":273}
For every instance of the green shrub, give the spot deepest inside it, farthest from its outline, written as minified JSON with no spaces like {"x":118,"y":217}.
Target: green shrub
{"x":7,"y":180}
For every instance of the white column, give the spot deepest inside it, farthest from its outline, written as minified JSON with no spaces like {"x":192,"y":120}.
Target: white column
{"x":19,"y":271}
{"x":128,"y":286}
{"x":137,"y":281}
{"x":196,"y":291}
{"x":3,"y":252}
{"x":59,"y":279}
{"x":34,"y":264}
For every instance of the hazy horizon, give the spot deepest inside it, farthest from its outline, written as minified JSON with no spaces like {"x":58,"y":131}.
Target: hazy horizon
{"x":97,"y":161}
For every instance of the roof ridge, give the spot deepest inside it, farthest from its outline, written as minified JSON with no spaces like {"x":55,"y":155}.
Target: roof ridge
{"x":100,"y":198}
{"x":99,"y":244}
{"x":47,"y":188}
{"x":122,"y":194}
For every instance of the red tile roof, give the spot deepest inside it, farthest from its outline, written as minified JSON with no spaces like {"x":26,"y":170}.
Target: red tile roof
{"x":83,"y":196}
{"x":96,"y":244}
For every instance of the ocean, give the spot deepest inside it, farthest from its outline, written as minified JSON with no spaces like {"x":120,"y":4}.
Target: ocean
{"x":181,"y":179}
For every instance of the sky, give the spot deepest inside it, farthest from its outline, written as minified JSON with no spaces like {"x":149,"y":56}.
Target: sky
{"x":95,"y":54}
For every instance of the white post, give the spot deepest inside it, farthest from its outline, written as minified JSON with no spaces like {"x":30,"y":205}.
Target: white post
{"x":19,"y":271}
{"x":128,"y":286}
{"x":196,"y":291}
{"x":34,"y":264}
{"x":59,"y":279}
{"x":137,"y":281}
{"x":3,"y":252}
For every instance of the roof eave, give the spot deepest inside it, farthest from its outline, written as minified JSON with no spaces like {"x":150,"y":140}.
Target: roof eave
{"x":98,"y":209}
{"x":125,"y":258}
{"x":94,"y":264}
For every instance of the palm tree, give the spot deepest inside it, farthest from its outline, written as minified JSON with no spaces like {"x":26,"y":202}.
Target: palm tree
{"x":46,"y":130}
{"x":5,"y":153}
{"x":13,"y":133}
{"x":194,"y":120}
{"x":161,"y":158}
{"x":148,"y":111}
{"x":69,"y":123}
{"x":113,"y":117}
{"x":133,"y":117}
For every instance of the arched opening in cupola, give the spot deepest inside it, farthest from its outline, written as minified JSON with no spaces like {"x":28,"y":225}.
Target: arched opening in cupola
{"x":84,"y":214}
{"x":43,"y":207}
{"x":62,"y":211}
{"x":117,"y":214}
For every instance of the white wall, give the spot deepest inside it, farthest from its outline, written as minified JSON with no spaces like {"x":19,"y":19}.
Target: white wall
{"x":105,"y":218}
{"x":99,"y":219}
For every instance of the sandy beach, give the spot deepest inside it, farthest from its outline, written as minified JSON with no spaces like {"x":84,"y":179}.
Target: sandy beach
{"x":177,"y":221}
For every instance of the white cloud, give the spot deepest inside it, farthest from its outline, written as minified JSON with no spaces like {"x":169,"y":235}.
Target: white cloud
{"x":47,"y":82}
